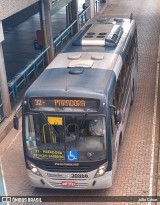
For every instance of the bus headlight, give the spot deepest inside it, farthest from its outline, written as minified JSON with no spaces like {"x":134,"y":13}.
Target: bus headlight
{"x":101,"y":170}
{"x":33,"y":168}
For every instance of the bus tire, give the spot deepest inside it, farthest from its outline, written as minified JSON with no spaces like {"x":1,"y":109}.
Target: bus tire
{"x":132,"y":94}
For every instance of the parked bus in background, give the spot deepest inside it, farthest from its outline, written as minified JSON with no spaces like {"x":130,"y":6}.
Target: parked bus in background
{"x":74,"y":115}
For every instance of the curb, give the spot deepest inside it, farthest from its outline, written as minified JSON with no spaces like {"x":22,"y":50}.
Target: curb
{"x":158,"y":113}
{"x":6,"y":127}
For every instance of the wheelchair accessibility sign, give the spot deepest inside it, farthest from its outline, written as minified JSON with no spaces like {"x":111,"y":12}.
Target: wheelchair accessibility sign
{"x":72,"y":156}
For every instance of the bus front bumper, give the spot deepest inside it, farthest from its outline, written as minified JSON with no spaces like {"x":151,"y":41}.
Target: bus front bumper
{"x":102,"y":182}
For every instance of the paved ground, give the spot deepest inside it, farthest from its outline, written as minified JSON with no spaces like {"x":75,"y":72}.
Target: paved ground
{"x":138,"y":156}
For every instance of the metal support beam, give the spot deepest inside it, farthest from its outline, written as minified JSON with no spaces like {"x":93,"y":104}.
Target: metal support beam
{"x":47,"y":28}
{"x":56,"y":6}
{"x":3,"y":79}
{"x":41,"y":16}
{"x":91,"y":12}
{"x":73,"y":15}
{"x":68,"y":15}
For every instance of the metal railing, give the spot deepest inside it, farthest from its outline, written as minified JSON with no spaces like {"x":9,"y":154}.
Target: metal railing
{"x":66,"y":34}
{"x":21,"y":79}
{"x":82,"y":16}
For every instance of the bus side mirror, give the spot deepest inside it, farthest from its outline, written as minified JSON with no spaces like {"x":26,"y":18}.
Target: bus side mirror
{"x":118,"y":117}
{"x":16,"y":122}
{"x":16,"y":118}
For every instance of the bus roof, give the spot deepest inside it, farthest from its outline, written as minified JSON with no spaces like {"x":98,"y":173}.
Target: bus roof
{"x":86,"y":66}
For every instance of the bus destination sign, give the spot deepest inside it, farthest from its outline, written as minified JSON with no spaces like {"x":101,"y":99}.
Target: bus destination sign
{"x":57,"y":104}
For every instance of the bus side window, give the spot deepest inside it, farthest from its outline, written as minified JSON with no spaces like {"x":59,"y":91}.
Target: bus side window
{"x":112,"y":122}
{"x":122,"y":82}
{"x":118,"y":92}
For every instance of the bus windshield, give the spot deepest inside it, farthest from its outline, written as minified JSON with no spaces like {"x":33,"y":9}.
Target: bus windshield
{"x":66,"y":138}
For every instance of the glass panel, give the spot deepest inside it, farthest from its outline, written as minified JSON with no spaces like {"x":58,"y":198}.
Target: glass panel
{"x":69,"y":138}
{"x":87,"y":136}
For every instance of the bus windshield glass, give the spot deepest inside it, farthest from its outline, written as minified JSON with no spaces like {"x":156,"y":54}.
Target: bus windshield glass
{"x":66,"y":138}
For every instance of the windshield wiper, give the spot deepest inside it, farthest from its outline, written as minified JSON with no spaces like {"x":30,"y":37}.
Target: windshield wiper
{"x":83,"y":119}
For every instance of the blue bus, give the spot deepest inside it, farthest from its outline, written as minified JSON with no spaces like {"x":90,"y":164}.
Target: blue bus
{"x":74,"y":115}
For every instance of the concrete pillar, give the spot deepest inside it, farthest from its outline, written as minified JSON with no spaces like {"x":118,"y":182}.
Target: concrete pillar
{"x":40,"y":15}
{"x":68,"y":15}
{"x":3,"y":79}
{"x":73,"y":15}
{"x":47,"y":28}
{"x":91,"y":12}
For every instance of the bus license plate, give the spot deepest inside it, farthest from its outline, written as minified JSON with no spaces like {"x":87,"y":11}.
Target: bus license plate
{"x":68,"y":183}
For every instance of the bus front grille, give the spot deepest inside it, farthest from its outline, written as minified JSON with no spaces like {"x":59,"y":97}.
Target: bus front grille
{"x":50,"y":168}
